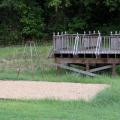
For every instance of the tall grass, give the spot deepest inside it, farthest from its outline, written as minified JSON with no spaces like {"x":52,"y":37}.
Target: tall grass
{"x":12,"y":59}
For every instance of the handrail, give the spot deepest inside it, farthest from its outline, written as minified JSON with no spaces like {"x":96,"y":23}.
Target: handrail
{"x":85,"y":43}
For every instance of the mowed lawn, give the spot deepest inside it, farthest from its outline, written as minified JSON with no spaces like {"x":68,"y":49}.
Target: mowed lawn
{"x":105,"y":106}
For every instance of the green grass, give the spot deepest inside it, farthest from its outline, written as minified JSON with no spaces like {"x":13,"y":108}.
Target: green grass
{"x":9,"y":67}
{"x":53,"y":76}
{"x":105,"y":106}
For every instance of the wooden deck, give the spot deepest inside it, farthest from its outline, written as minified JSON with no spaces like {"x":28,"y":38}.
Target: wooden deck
{"x":88,"y":50}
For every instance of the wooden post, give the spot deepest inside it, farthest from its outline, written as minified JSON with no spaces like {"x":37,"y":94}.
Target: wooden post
{"x":114,"y":69}
{"x":54,"y":41}
{"x":87,"y":67}
{"x":57,"y":67}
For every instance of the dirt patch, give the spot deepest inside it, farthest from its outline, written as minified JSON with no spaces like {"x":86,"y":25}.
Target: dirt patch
{"x":48,"y":90}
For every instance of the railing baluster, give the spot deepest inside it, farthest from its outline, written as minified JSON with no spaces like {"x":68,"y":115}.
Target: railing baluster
{"x":109,"y":44}
{"x":69,"y":42}
{"x":92,"y":41}
{"x":65,"y":42}
{"x":79,"y":42}
{"x":54,"y":47}
{"x":61,"y":40}
{"x":105,"y":44}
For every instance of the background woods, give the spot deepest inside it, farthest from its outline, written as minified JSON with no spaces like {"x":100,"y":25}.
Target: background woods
{"x":39,"y":18}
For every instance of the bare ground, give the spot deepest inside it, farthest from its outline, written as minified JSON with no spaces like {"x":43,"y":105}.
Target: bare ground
{"x":48,"y":90}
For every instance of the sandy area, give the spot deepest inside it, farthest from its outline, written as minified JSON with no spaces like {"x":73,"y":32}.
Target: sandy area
{"x":48,"y":90}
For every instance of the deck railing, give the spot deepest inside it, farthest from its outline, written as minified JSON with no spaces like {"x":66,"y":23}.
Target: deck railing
{"x":92,"y":43}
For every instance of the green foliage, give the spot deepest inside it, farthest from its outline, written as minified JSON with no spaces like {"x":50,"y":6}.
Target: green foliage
{"x":54,"y":3}
{"x":57,"y":3}
{"x":31,"y":20}
{"x":113,"y":4}
{"x":118,"y":69}
{"x":36,"y":19}
{"x":77,"y":24}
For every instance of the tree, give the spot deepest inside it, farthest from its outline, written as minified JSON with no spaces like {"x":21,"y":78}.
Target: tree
{"x":39,"y":18}
{"x":28,"y":14}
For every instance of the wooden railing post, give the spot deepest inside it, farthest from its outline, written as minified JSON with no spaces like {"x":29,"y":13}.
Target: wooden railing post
{"x":54,"y":42}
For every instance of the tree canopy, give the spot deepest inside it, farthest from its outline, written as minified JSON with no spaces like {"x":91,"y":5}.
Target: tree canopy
{"x":39,"y":18}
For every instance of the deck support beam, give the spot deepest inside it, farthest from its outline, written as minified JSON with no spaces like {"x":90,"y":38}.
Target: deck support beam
{"x":73,"y":69}
{"x":110,"y":63}
{"x":85,"y":61}
{"x":114,"y":69}
{"x":87,"y":67}
{"x":100,"y":68}
{"x":57,"y":67}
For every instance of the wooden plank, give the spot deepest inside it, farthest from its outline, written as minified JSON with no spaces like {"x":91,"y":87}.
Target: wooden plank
{"x":74,"y":69}
{"x":88,"y":60}
{"x":100,"y":68}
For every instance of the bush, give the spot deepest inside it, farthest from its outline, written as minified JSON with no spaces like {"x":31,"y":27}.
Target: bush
{"x":118,"y":69}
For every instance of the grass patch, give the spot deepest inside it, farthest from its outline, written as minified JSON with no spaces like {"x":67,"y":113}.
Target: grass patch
{"x":54,"y":76}
{"x":59,"y":110}
{"x":12,"y":58}
{"x":105,"y":106}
